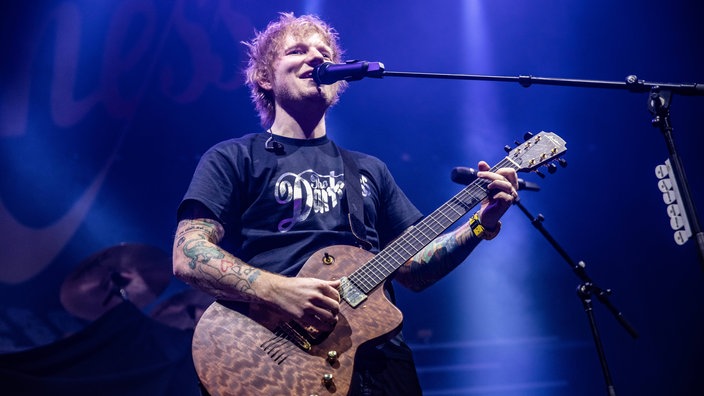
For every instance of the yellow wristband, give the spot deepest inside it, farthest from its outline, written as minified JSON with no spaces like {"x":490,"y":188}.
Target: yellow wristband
{"x":482,"y":232}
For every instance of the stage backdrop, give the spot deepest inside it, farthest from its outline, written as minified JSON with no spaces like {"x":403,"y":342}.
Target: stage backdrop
{"x":106,"y":106}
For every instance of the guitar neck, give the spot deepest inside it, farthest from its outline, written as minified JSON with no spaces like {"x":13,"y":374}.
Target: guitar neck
{"x":418,"y":236}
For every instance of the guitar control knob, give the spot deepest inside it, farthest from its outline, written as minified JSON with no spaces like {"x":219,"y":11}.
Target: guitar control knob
{"x":332,"y":356}
{"x":327,"y":379}
{"x":328,"y":259}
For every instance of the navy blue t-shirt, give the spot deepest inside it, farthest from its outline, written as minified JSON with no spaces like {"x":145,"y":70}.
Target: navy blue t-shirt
{"x":279,"y":207}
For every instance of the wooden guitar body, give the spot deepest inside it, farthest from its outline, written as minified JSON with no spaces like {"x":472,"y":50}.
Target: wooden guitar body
{"x":238,"y":354}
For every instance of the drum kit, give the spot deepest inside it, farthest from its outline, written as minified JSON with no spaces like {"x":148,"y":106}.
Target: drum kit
{"x":138,"y":336}
{"x":132,"y":273}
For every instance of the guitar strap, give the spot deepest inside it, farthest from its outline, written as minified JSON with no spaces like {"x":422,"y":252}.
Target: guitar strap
{"x":355,"y":203}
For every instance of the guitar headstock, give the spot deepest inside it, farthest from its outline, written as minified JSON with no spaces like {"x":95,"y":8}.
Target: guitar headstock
{"x":536,"y":151}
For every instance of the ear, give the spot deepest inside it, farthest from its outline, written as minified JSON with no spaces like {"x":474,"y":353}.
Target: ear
{"x":263,"y":81}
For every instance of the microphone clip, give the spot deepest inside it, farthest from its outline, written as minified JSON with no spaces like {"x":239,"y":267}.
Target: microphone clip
{"x":272,"y":145}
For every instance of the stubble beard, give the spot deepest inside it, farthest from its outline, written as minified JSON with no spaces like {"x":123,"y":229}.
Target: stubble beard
{"x":319,"y":97}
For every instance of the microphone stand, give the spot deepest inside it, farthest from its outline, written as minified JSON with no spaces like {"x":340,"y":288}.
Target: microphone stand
{"x":659,"y":101}
{"x":658,"y":104}
{"x":585,"y":291}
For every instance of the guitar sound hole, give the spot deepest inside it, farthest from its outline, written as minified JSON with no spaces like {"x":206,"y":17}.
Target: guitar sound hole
{"x":277,"y":346}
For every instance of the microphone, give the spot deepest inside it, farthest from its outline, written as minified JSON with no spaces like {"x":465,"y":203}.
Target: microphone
{"x":330,"y":73}
{"x":462,"y":175}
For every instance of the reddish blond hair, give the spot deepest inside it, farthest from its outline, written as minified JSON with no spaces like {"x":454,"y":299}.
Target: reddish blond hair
{"x":265,"y":47}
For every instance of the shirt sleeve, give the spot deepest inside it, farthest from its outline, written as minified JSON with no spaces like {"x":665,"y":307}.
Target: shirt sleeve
{"x":215,"y":183}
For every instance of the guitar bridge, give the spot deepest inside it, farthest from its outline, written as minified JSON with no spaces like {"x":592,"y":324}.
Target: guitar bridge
{"x":351,"y":293}
{"x":294,"y":334}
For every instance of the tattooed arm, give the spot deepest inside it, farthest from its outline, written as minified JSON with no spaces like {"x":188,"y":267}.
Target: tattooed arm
{"x":437,"y":259}
{"x":200,"y":262}
{"x":448,"y":251}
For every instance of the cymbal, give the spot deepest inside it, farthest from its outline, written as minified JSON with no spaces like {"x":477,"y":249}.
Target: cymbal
{"x":127,"y":272}
{"x":183,"y":309}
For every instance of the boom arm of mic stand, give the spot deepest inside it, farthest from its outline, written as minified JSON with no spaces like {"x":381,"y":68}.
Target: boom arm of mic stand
{"x":631,"y":83}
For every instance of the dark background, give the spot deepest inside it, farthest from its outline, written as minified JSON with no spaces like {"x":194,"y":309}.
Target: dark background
{"x":124,"y":96}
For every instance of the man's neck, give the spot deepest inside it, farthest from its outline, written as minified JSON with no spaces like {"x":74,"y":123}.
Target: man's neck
{"x":302,"y":121}
{"x":310,"y":126}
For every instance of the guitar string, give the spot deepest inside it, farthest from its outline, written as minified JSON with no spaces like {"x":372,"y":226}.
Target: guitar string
{"x":475,"y":191}
{"x":412,"y":239}
{"x":359,"y":277}
{"x":382,"y":261}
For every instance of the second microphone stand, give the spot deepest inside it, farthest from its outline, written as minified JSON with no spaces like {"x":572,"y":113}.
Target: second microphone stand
{"x":586,"y":290}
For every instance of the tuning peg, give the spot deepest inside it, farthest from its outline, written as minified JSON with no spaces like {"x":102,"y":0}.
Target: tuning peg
{"x":562,"y":162}
{"x":539,"y":173}
{"x":552,"y":168}
{"x":527,"y":135}
{"x":507,"y":148}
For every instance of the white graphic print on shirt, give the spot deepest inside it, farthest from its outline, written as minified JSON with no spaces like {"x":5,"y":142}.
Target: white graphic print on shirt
{"x":310,"y":192}
{"x":307,"y":192}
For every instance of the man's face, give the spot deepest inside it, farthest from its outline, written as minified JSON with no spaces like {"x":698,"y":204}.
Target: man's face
{"x":292,"y":81}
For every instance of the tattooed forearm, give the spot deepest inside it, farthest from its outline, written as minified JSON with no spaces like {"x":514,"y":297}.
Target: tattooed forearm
{"x":443,"y":243}
{"x":215,"y":269}
{"x":437,"y":259}
{"x":207,"y":266}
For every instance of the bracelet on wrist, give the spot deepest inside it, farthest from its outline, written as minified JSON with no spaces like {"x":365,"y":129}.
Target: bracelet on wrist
{"x":479,"y":231}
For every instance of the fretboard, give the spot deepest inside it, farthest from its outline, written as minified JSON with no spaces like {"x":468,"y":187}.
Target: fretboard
{"x":418,"y":236}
